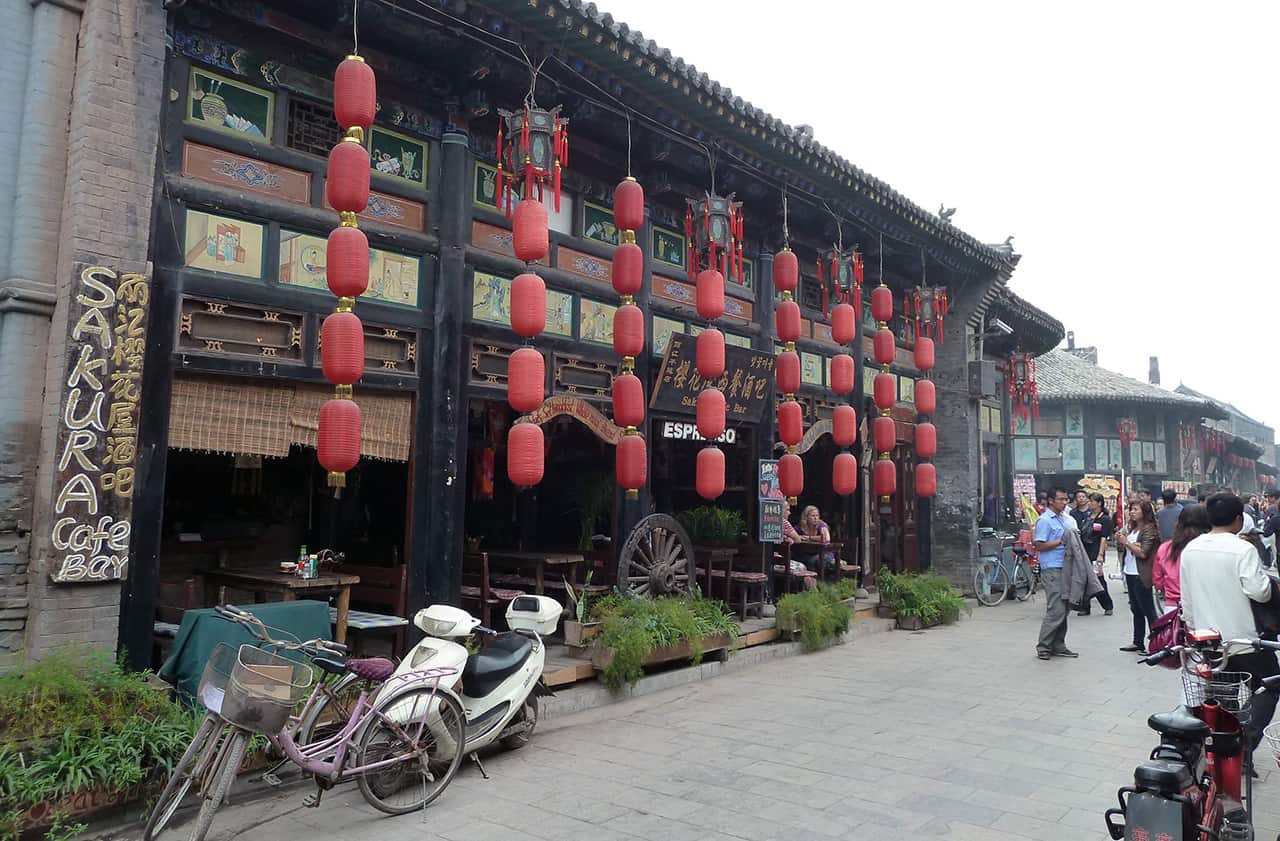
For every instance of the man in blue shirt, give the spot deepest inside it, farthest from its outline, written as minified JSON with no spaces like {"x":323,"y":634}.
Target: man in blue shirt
{"x":1049,"y":535}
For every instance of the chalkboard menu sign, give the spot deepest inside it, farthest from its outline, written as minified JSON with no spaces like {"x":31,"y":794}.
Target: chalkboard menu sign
{"x":747,"y":382}
{"x":772,"y":504}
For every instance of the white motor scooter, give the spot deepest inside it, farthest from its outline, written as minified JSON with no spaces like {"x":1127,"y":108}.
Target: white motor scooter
{"x":500,"y":683}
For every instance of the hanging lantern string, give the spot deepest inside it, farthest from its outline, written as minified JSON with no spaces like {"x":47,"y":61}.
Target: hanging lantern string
{"x":627,"y":111}
{"x":786,"y":231}
{"x":534,"y":71}
{"x":839,"y":227}
{"x":881,"y":256}
{"x":355,"y":27}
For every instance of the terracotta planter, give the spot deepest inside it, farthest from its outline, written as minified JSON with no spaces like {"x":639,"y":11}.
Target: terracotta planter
{"x":578,"y":634}
{"x":914,"y":623}
{"x":601,"y":657}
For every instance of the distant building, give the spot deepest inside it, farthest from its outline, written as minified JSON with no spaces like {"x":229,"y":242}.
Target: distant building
{"x":1240,"y":424}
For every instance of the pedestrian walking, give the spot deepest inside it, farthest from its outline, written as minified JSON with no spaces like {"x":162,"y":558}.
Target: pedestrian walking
{"x":1051,"y":531}
{"x":1094,"y":535}
{"x":1221,"y":575}
{"x":1080,"y":513}
{"x":1166,"y":572}
{"x":1167,"y":517}
{"x":1140,"y":539}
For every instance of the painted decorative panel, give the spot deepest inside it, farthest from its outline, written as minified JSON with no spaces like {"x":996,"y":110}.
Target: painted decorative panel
{"x":1100,"y":454}
{"x":1116,"y":447}
{"x":560,"y":314}
{"x":669,"y":248}
{"x":1073,"y":454}
{"x":495,"y":239}
{"x":735,"y":308}
{"x":585,"y":265}
{"x":398,"y":156}
{"x":748,"y":274}
{"x":674,"y":290}
{"x":822,"y":332}
{"x":1075,"y":422}
{"x":1021,"y":424}
{"x":1024,"y":454}
{"x":393,"y":278}
{"x":811,"y":368}
{"x":392,"y":210}
{"x":491,"y":302}
{"x":222,"y":244}
{"x":597,"y":224}
{"x":736,"y":340}
{"x":229,"y":106}
{"x":1162,"y":464}
{"x":596,"y":321}
{"x":869,"y":380}
{"x":906,"y":389}
{"x":239,"y":330}
{"x":227,"y":169}
{"x":485,"y":191}
{"x":662,"y":330}
{"x":1049,"y":447}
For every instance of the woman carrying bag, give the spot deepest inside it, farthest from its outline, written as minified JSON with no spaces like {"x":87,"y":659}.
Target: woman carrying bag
{"x":1139,"y":539}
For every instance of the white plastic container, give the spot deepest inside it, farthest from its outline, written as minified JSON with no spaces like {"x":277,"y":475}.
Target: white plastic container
{"x":445,"y":621}
{"x":539,"y":614}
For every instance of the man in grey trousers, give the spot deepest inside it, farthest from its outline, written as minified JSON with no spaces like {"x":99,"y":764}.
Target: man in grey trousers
{"x":1050,"y":530}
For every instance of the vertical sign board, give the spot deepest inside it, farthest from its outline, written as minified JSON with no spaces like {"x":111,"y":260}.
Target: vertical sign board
{"x":772,"y":503}
{"x":98,"y":425}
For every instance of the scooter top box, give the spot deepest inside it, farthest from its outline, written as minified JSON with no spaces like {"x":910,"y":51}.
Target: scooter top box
{"x":539,"y":614}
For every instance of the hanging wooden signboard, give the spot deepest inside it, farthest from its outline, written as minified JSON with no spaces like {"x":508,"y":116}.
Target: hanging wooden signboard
{"x":582,"y":411}
{"x":747,"y":382}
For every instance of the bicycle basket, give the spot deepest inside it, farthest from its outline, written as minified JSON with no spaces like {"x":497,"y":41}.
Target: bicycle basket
{"x":214,"y":678}
{"x":1230,"y":690}
{"x":1272,"y":732}
{"x":264,"y":689}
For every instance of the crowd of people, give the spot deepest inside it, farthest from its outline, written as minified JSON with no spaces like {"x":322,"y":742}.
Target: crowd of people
{"x":1206,"y":559}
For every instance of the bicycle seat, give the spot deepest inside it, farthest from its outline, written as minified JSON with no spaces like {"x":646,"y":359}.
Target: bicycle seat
{"x":1179,"y":723}
{"x":371,"y":668}
{"x":498,"y":660}
{"x":1019,"y":550}
{"x":330,"y":665}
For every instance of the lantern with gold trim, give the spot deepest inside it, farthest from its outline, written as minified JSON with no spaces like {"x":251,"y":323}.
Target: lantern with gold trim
{"x":531,"y":153}
{"x":786,"y":279}
{"x":631,"y":457}
{"x":884,"y":475}
{"x":714,"y":231}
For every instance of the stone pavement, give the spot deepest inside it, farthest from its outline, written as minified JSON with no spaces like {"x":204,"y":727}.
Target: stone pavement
{"x":952,"y":733}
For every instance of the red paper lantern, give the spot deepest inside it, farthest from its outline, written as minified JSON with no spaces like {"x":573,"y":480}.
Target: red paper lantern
{"x":844,"y":425}
{"x":628,"y":205}
{"x":346,"y":262}
{"x":786,"y":317}
{"x":882,"y":303}
{"x":926,"y":397}
{"x":791,"y":474}
{"x":528,"y":305}
{"x":628,"y":330}
{"x":884,"y":347}
{"x":843,"y":323}
{"x":628,"y":269}
{"x":926,"y":480}
{"x":844,"y":474}
{"x":926,"y":440}
{"x":842,"y":373}
{"x":885,"y":478}
{"x":529,"y":231}
{"x":628,"y":400}
{"x":348,"y":181}
{"x":884,"y":433}
{"x":790,"y":422}
{"x":342,"y":348}
{"x":710,"y":354}
{"x":710,"y":294}
{"x":355,"y":93}
{"x":526,"y":379}
{"x":338,"y":439}
{"x":711,"y":413}
{"x":787,"y":372}
{"x":924,"y":353}
{"x":885,"y":391}
{"x":786,"y":271}
{"x":525,"y":454}
{"x":631,"y":462}
{"x":710,"y":473}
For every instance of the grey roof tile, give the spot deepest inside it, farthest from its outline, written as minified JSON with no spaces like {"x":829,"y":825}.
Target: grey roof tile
{"x":1062,"y":376}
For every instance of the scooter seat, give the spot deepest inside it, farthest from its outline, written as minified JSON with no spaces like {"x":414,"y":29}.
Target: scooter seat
{"x":1179,"y":723}
{"x":501,"y":657}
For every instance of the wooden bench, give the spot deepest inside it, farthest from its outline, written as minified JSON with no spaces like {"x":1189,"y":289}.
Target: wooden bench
{"x":380,"y":589}
{"x":748,"y":580}
{"x":478,"y":590}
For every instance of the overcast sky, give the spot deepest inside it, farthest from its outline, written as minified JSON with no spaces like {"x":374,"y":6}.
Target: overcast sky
{"x":1130,"y":147}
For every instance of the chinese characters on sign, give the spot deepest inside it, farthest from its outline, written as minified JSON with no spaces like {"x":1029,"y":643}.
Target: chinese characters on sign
{"x":771,"y":501}
{"x":98,"y":430}
{"x":747,"y":381}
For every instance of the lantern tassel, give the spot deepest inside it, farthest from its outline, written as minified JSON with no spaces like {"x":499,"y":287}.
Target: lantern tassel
{"x":557,"y":186}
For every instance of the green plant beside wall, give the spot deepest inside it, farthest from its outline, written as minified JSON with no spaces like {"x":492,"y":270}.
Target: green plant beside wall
{"x":712,"y":526}
{"x":819,"y":615}
{"x":633,"y":628}
{"x":930,"y":598}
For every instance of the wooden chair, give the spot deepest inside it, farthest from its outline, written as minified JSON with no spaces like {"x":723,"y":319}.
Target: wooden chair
{"x":173,"y":598}
{"x":789,"y":580}
{"x":380,"y":589}
{"x":748,"y":581}
{"x":477,"y":589}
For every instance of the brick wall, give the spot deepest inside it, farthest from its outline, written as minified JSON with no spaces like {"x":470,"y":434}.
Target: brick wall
{"x":106,"y":212}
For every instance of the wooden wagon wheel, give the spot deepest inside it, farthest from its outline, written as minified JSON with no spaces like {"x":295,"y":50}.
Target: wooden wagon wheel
{"x":657,"y":558}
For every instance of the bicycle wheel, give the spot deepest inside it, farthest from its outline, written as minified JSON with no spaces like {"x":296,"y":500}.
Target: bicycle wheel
{"x":990,"y":582}
{"x":223,"y":775}
{"x":426,"y":732}
{"x":193,"y":765}
{"x":1023,"y":586}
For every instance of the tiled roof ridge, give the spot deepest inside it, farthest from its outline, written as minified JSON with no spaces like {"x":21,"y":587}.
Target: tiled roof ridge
{"x":1064,"y":376}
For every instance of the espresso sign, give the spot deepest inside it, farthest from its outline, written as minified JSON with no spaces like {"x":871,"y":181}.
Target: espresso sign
{"x":747,"y":382}
{"x":98,"y":427}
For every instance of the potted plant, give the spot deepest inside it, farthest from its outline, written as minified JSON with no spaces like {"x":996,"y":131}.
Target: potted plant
{"x":921,"y":601}
{"x":579,"y":629}
{"x":637,"y":632}
{"x":818,"y":617}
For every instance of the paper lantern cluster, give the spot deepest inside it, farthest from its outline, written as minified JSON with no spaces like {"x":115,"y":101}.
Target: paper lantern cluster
{"x":631,"y":458}
{"x":925,"y":310}
{"x":840,"y":275}
{"x":347,"y":260}
{"x":885,"y":393}
{"x":844,"y":420}
{"x":714,"y":228}
{"x":1024,"y":393}
{"x":533,"y":150}
{"x":926,"y":433}
{"x":786,"y":279}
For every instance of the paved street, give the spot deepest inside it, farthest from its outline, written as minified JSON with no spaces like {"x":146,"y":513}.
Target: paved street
{"x":956,"y":733}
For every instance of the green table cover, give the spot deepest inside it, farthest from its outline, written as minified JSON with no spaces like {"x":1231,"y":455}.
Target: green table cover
{"x":202,"y":630}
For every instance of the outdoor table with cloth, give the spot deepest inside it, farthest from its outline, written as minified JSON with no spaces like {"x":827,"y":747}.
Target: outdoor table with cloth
{"x":287,"y":586}
{"x":202,"y":630}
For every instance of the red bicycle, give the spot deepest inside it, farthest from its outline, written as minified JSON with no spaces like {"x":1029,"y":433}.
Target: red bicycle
{"x":1197,"y":784}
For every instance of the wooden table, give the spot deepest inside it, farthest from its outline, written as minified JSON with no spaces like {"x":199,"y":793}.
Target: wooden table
{"x":539,"y":561}
{"x":289,"y":587}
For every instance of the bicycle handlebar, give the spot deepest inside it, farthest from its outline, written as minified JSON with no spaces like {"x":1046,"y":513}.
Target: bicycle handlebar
{"x":312,"y":648}
{"x":1160,"y":656}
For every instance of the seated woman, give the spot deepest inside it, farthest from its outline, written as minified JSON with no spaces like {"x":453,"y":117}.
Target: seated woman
{"x":814,"y":530}
{"x":790,"y":536}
